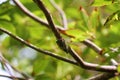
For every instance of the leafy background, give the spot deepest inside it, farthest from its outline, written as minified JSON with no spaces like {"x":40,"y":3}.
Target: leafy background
{"x":98,"y":20}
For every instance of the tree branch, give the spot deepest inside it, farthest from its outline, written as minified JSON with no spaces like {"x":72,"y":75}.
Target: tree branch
{"x":27,"y":12}
{"x":91,"y":66}
{"x":86,"y":42}
{"x":63,"y":16}
{"x":98,"y":50}
{"x":37,"y":49}
{"x":5,"y":61}
{"x":39,"y":20}
{"x":105,"y":76}
{"x":31,"y":15}
{"x":49,"y":19}
{"x":93,"y":46}
{"x":14,"y":78}
{"x":80,"y":61}
{"x":60,"y":41}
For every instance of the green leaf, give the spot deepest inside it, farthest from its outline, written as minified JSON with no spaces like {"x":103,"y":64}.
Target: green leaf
{"x":117,"y":78}
{"x":113,"y":7}
{"x":72,"y":13}
{"x":63,"y":69}
{"x":83,"y":18}
{"x":94,"y":19}
{"x":40,"y":65}
{"x":7,"y":25}
{"x":112,"y":18}
{"x":5,"y":8}
{"x":101,"y":2}
{"x":77,"y":35}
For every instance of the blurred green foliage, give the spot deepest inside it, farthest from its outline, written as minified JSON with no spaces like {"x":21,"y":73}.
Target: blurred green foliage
{"x":98,"y":20}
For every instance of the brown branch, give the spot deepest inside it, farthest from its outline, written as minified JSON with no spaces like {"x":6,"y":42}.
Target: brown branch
{"x":63,"y":16}
{"x":27,"y":12}
{"x":14,"y":78}
{"x":93,"y":46}
{"x":83,"y":64}
{"x":5,"y":65}
{"x":5,"y":61}
{"x":90,"y":66}
{"x":49,"y":19}
{"x":37,"y":49}
{"x":105,"y":76}
{"x":60,"y":41}
{"x":31,"y":15}
{"x":80,"y":61}
{"x":98,"y":50}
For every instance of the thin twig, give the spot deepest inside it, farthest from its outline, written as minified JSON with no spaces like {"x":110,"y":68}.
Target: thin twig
{"x":91,"y":66}
{"x":63,"y":16}
{"x":114,"y":62}
{"x":11,"y":77}
{"x":5,"y":61}
{"x":93,"y":46}
{"x":31,"y":15}
{"x":36,"y":48}
{"x":60,"y":41}
{"x":98,"y":50}
{"x":5,"y":65}
{"x":80,"y":61}
{"x":104,"y":76}
{"x":26,"y":11}
{"x":49,"y":19}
